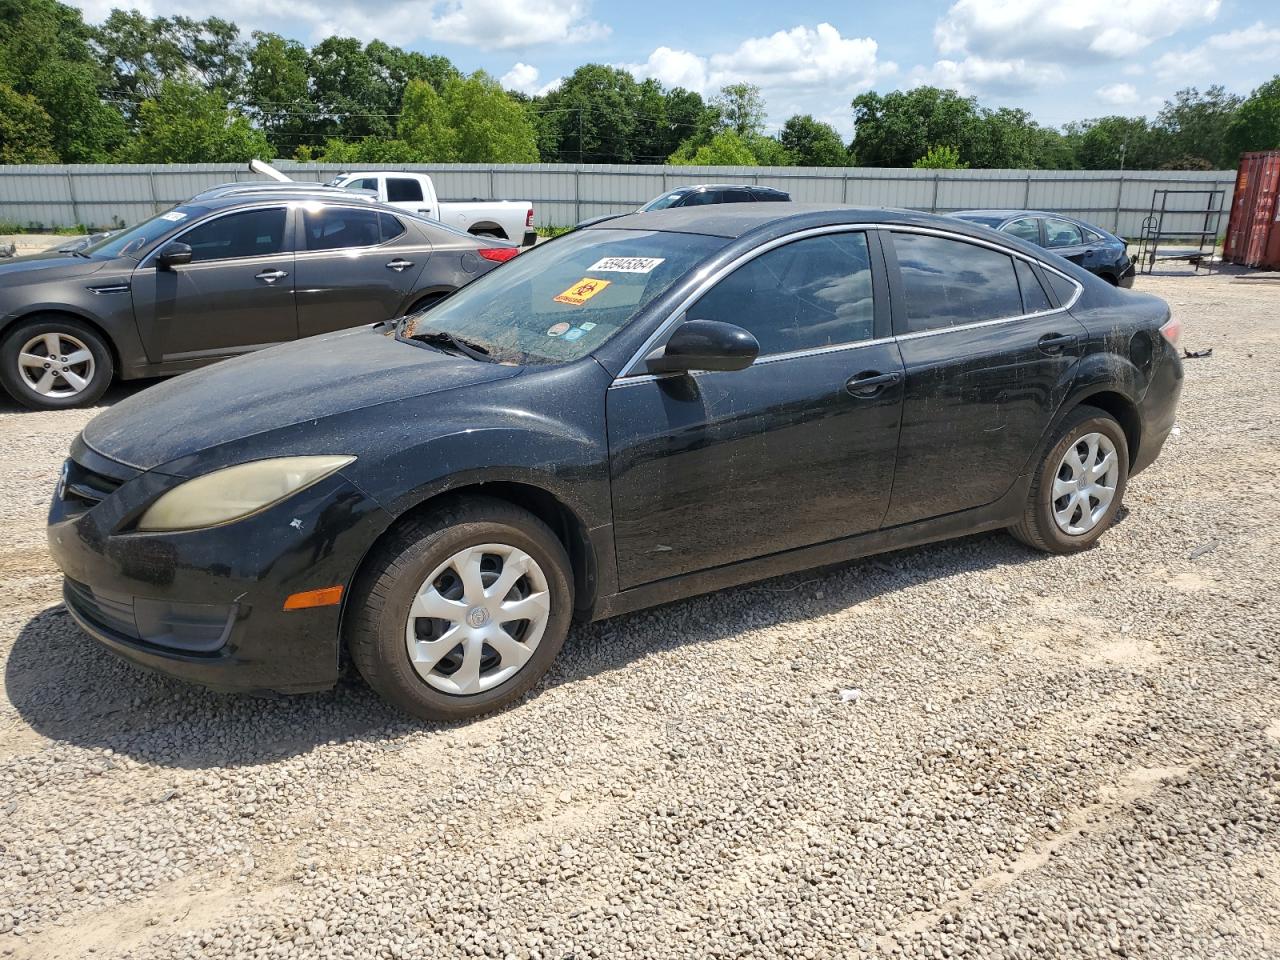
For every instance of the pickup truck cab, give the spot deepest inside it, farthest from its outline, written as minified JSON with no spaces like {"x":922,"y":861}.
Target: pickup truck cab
{"x":504,"y":219}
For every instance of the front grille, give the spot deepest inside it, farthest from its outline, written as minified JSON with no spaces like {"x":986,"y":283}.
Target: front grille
{"x":86,"y":487}
{"x":114,"y":613}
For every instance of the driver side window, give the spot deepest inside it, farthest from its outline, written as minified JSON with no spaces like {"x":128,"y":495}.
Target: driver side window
{"x":253,"y":233}
{"x":810,"y":293}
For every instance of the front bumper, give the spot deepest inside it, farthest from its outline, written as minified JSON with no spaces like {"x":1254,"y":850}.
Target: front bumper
{"x":207,"y":605}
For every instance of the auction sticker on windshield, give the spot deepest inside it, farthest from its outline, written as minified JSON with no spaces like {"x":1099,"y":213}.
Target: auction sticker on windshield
{"x":625,"y":264}
{"x":582,"y":291}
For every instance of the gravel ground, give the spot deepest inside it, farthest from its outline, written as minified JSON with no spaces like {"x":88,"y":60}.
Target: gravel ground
{"x":966,"y":750}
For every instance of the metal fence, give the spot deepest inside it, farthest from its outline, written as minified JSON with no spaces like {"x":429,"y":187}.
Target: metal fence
{"x":109,"y":195}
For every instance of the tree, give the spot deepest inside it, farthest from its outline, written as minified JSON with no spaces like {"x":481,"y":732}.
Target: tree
{"x":941,"y":158}
{"x":487,"y":125}
{"x":1256,"y":125}
{"x":894,"y":129}
{"x":591,"y":117}
{"x":726,"y":149}
{"x":426,"y":125}
{"x":1197,"y":126}
{"x":1113,"y":143}
{"x":184,"y":123}
{"x":741,"y":108}
{"x":279,"y":91}
{"x":812,"y":143}
{"x":45,"y":53}
{"x":26,"y":132}
{"x":140,"y":54}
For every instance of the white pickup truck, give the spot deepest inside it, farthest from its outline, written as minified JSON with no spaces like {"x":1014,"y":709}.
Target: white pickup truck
{"x":506,"y":219}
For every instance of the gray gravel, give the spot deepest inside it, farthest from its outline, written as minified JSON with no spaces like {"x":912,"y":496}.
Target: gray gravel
{"x":966,"y":750}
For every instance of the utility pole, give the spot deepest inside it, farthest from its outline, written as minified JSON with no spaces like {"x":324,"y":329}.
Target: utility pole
{"x":1123,"y":146}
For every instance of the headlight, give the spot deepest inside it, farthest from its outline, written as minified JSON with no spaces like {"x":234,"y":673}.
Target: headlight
{"x":236,"y":492}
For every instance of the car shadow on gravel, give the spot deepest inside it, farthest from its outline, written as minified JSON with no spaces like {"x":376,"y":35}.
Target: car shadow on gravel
{"x":71,"y":690}
{"x":120,"y":390}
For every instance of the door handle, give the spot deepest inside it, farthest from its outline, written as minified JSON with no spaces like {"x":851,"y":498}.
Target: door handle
{"x":271,"y":276}
{"x":869,"y":383}
{"x":399,"y":265}
{"x":1055,"y":342}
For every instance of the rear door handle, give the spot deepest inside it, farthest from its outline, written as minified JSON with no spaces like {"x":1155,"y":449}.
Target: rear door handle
{"x":399,"y":265}
{"x":870,"y":382}
{"x":1055,"y":342}
{"x":271,"y":276}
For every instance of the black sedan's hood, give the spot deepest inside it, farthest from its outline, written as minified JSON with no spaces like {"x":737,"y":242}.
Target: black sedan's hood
{"x":50,"y":265}
{"x":305,"y":381}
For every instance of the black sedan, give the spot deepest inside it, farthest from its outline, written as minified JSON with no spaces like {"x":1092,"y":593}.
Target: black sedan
{"x":701,"y":195}
{"x":1093,"y":248}
{"x":215,"y":277}
{"x":667,"y":404}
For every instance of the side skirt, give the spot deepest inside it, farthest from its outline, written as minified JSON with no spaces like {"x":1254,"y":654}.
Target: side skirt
{"x":994,"y":516}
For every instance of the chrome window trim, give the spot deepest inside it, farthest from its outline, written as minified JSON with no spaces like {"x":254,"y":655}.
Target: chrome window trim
{"x":266,"y":205}
{"x":677,"y":314}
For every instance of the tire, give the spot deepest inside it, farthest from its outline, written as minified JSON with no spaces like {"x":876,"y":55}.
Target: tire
{"x":430,"y":300}
{"x":1042,"y":525}
{"x":389,"y":584}
{"x":36,"y":337}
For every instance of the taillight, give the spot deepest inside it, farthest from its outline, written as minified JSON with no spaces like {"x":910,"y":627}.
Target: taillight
{"x":1172,"y":331}
{"x":498,"y":254}
{"x":528,"y":218}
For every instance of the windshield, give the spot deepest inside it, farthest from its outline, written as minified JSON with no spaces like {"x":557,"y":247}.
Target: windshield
{"x":560,"y":301}
{"x":129,"y":243}
{"x":992,"y":222}
{"x":664,"y":201}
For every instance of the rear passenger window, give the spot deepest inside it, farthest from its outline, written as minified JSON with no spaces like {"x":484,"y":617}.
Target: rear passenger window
{"x":809,"y":293}
{"x":403,"y":190}
{"x":1034,"y":299}
{"x":1062,"y":287}
{"x":949,"y":282}
{"x":390,"y":226}
{"x":334,"y":228}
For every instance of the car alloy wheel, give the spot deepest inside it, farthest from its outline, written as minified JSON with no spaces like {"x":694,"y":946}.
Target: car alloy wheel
{"x":477,"y":619}
{"x":1085,"y":484}
{"x":56,"y":365}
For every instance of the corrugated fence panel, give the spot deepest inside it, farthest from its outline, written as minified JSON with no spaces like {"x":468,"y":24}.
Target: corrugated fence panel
{"x":110,"y":195}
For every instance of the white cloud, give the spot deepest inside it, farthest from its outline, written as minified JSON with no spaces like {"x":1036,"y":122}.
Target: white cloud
{"x":801,"y":70}
{"x":487,"y":24}
{"x":1054,"y":30}
{"x":1256,"y":44}
{"x":1118,"y":94}
{"x":524,"y":78}
{"x":981,"y":75}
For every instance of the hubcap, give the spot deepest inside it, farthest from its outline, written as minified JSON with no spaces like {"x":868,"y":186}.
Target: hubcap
{"x":478,"y":618}
{"x":56,"y":365}
{"x":1085,"y":483}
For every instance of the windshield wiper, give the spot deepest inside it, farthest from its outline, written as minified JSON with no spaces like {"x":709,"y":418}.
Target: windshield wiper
{"x":473,"y":350}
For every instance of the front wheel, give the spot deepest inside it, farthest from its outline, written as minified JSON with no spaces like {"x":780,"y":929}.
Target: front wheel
{"x":54,"y":362}
{"x":462,"y":611}
{"x":1078,"y":486}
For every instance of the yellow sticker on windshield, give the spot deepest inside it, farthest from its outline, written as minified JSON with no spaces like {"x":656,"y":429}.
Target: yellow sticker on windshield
{"x":582,"y":291}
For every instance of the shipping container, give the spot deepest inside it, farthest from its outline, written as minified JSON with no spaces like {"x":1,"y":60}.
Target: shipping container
{"x":1253,"y":233}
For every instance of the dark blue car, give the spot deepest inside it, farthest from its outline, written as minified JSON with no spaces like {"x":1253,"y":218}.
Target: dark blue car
{"x":1091,"y":247}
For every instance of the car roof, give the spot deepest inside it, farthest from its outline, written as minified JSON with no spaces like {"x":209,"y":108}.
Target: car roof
{"x":218,"y":200}
{"x":733,"y":220}
{"x":1014,"y":214}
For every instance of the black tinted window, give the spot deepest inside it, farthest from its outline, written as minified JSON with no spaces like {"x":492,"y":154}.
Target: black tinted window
{"x":948,"y":282}
{"x":1034,"y":299}
{"x":1062,"y":287}
{"x":254,"y":233}
{"x":1061,"y":233}
{"x":814,"y":292}
{"x":390,"y":226}
{"x":735,"y":196}
{"x":332,"y":228}
{"x":700,"y":198}
{"x":402,"y":189}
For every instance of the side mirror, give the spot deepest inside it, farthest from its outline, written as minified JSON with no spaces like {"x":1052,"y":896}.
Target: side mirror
{"x":173,"y":254}
{"x":705,"y":345}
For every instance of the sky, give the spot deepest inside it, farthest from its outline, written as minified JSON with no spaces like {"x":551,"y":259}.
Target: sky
{"x":1061,"y":60}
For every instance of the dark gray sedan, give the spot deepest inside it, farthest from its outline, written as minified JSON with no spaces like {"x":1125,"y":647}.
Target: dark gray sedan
{"x":218,"y":277}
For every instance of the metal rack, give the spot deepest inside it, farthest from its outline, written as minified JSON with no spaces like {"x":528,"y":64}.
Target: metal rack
{"x":1195,"y":247}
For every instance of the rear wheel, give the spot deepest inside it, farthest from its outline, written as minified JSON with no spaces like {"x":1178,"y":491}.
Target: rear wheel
{"x":54,"y":362}
{"x":1078,"y":486}
{"x":462,"y":611}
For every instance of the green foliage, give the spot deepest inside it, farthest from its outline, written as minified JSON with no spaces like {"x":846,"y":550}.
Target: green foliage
{"x":812,"y":143}
{"x":940,"y":158}
{"x":726,"y":149}
{"x":1256,"y":125}
{"x":185,"y":123}
{"x":1196,"y":125}
{"x":426,"y":124}
{"x":26,"y":132}
{"x":141,"y":54}
{"x":487,"y":126}
{"x":741,"y":109}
